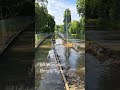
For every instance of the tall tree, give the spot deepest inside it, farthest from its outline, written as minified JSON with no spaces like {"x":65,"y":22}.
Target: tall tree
{"x":40,"y":17}
{"x":81,"y":7}
{"x":67,"y":18}
{"x":44,"y":21}
{"x":80,"y":4}
{"x":51,"y":22}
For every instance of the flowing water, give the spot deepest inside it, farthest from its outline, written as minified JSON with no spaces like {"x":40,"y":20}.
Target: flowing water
{"x":51,"y":79}
{"x":73,"y":59}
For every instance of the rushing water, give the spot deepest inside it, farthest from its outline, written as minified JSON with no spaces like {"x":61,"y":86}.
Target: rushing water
{"x":75,"y":61}
{"x":61,"y":50}
{"x":51,"y":79}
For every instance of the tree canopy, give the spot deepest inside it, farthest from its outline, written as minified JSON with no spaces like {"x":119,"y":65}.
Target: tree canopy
{"x":80,"y":4}
{"x":81,"y":7}
{"x":103,"y":9}
{"x":44,"y":21}
{"x":67,"y":16}
{"x":75,"y":27}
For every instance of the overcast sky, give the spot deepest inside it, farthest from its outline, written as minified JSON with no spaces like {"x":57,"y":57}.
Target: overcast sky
{"x":57,"y":8}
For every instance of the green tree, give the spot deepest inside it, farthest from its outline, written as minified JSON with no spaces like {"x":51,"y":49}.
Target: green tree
{"x":61,"y":29}
{"x":91,"y":8}
{"x":57,"y":27}
{"x":67,"y":16}
{"x":81,"y":7}
{"x":42,"y":2}
{"x":80,"y":4}
{"x":67,"y":19}
{"x":104,"y":10}
{"x":44,"y":21}
{"x":51,"y":23}
{"x":82,"y":26}
{"x":75,"y":27}
{"x":40,"y":17}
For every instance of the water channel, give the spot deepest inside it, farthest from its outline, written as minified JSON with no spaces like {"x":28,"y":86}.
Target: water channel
{"x":53,"y":81}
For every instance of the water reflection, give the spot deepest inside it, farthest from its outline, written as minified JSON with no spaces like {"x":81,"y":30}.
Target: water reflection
{"x":60,"y":50}
{"x":73,"y":58}
{"x":54,"y":80}
{"x":51,"y":80}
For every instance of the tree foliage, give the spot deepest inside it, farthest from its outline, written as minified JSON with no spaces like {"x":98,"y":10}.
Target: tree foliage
{"x":67,"y":19}
{"x":75,"y":27}
{"x":81,"y":7}
{"x":67,"y":16}
{"x":80,"y":4}
{"x":103,"y":9}
{"x":61,"y":29}
{"x":51,"y":22}
{"x":82,"y":25}
{"x":44,"y":21}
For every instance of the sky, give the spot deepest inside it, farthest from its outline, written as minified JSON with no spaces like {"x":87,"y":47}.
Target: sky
{"x":57,"y":8}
